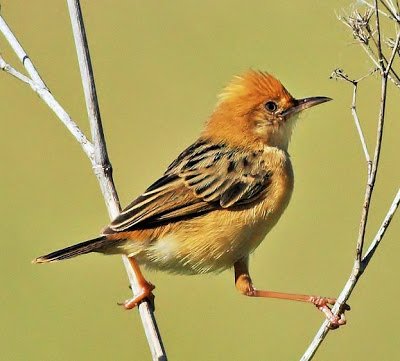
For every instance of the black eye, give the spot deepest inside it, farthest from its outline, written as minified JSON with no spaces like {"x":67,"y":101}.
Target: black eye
{"x":271,"y":106}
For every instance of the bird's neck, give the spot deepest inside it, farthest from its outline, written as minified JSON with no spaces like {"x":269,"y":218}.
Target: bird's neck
{"x":241,"y":131}
{"x":279,"y":138}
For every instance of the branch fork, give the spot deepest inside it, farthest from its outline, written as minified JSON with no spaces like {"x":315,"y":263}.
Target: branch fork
{"x":95,"y":150}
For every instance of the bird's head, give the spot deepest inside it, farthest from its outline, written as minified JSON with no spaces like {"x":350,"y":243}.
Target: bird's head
{"x":255,"y":109}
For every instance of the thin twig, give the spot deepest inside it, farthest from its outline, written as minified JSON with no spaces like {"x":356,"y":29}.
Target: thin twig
{"x":378,"y":32}
{"x":361,"y":29}
{"x":358,"y":126}
{"x":51,"y":102}
{"x":385,"y":224}
{"x":339,"y":74}
{"x":392,"y":10}
{"x":21,"y":54}
{"x":360,"y":262}
{"x":357,"y":268}
{"x":372,"y":176}
{"x":394,"y":78}
{"x":38,"y":85}
{"x":392,"y":56}
{"x":103,"y":167}
{"x":14,"y":72}
{"x":372,"y":7}
{"x":352,"y":281}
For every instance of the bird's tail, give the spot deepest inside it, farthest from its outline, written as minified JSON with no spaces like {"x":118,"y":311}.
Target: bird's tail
{"x":92,"y":245}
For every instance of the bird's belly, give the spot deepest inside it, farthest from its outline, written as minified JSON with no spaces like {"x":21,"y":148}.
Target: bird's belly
{"x":204,"y":246}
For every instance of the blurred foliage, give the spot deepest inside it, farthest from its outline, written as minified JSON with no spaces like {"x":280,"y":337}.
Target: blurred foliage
{"x":158,"y":67}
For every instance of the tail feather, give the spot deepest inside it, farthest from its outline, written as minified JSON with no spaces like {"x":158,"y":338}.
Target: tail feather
{"x":75,"y":250}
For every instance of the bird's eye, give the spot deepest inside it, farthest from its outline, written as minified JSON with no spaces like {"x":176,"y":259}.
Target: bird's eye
{"x":271,"y":106}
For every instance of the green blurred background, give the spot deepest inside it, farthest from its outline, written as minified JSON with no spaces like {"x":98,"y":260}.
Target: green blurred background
{"x":158,"y":67}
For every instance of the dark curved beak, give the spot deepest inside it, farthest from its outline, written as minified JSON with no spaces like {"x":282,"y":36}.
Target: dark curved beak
{"x":301,"y":104}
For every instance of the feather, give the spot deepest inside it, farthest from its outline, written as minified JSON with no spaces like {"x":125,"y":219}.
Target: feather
{"x":204,"y":177}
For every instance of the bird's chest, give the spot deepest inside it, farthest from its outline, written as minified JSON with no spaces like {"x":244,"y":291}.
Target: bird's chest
{"x":266,"y":213}
{"x":214,"y":241}
{"x":218,"y":239}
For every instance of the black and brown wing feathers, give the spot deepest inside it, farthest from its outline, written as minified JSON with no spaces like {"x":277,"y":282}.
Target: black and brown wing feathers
{"x":205,"y":177}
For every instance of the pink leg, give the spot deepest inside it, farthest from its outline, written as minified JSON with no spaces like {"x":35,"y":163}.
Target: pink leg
{"x":146,"y":288}
{"x":245,"y":286}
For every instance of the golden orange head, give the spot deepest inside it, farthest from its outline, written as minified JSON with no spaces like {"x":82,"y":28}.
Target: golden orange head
{"x":255,"y":110}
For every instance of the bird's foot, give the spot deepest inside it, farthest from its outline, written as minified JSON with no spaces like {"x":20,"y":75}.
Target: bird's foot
{"x":325,"y":305}
{"x":145,"y":291}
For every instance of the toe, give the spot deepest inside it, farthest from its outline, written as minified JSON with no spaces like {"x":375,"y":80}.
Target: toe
{"x":145,"y":292}
{"x":334,"y":320}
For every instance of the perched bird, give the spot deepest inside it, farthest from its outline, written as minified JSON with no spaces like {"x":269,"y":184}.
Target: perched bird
{"x":219,"y":198}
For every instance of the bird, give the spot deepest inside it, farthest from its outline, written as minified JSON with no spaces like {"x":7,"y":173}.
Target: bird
{"x":219,"y":198}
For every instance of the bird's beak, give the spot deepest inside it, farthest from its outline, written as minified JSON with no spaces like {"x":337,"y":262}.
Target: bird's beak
{"x":301,"y":104}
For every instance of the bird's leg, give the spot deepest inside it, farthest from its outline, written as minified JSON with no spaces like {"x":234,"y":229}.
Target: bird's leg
{"x":145,"y":288}
{"x":245,"y":286}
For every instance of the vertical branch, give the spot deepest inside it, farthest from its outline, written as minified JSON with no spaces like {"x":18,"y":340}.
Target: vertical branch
{"x":362,"y":31}
{"x":395,"y":52}
{"x":372,"y":176}
{"x":359,"y":266}
{"x":97,"y":152}
{"x":385,"y":224}
{"x":378,"y":35}
{"x":103,"y":169}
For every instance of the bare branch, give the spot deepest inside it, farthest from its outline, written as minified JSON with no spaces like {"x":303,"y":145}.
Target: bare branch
{"x":20,"y":52}
{"x":103,"y":168}
{"x":10,"y":70}
{"x":352,"y":281}
{"x":394,"y":78}
{"x":381,"y":232}
{"x":373,"y":7}
{"x":378,"y":34}
{"x":47,"y":97}
{"x":371,"y":176}
{"x":102,"y":164}
{"x":97,"y":155}
{"x":359,"y":129}
{"x":360,"y":26}
{"x":392,"y":56}
{"x":339,"y":74}
{"x":391,"y":8}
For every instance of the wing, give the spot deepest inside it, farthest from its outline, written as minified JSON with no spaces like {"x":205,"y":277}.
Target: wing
{"x":205,"y":177}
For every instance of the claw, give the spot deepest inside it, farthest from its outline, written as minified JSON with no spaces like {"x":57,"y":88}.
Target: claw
{"x":144,"y":292}
{"x":324,"y":304}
